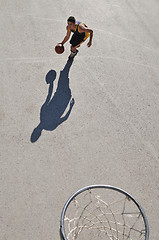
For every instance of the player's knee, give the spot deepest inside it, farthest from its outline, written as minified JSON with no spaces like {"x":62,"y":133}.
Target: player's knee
{"x":72,"y":48}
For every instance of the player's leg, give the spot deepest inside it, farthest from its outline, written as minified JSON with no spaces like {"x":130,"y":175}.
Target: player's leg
{"x":74,"y":51}
{"x":75,"y":42}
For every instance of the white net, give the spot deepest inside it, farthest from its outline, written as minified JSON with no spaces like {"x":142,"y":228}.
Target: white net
{"x":103,"y":214}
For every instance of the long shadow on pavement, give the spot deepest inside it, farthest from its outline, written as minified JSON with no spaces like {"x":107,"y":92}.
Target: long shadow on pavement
{"x":53,"y":109}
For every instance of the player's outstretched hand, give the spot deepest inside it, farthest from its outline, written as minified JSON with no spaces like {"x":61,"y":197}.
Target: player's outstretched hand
{"x":89,"y":44}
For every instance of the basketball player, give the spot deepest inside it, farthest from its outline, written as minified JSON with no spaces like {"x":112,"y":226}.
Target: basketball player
{"x":80,"y":33}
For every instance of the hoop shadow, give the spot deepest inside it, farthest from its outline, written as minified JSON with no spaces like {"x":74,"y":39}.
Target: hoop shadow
{"x":53,"y":109}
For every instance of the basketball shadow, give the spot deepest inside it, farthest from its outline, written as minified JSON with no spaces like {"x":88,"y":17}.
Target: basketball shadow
{"x":53,"y":109}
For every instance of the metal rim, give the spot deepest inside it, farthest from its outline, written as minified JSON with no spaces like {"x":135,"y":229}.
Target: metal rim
{"x":62,"y":230}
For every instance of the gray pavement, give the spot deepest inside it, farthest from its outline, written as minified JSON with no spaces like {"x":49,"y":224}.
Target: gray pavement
{"x":109,"y":136}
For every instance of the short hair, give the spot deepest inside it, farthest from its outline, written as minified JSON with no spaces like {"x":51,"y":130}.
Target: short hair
{"x":71,"y":19}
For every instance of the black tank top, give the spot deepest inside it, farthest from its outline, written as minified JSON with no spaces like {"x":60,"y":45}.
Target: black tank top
{"x":77,"y":33}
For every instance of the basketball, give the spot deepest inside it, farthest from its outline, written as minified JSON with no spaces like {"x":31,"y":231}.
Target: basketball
{"x":59,"y":49}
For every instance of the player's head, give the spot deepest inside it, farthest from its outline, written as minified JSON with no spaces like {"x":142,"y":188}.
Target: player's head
{"x":71,"y":22}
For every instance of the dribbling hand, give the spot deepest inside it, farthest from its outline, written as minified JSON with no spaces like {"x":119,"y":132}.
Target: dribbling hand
{"x":59,"y":45}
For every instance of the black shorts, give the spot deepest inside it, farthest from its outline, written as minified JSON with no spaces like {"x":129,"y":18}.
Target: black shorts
{"x":76,"y":40}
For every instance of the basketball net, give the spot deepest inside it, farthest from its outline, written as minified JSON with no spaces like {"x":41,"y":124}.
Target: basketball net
{"x":90,"y":217}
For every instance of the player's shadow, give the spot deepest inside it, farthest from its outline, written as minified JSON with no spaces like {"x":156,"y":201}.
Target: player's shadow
{"x":53,"y":109}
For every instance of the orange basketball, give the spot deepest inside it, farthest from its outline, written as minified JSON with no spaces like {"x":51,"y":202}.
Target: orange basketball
{"x":59,"y":49}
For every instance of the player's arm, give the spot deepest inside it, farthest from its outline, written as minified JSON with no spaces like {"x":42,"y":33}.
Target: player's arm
{"x":67,"y":36}
{"x":82,"y":28}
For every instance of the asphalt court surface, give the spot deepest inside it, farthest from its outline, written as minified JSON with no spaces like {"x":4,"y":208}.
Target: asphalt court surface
{"x":110,"y":135}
